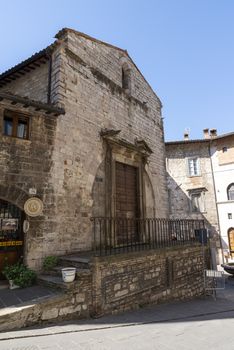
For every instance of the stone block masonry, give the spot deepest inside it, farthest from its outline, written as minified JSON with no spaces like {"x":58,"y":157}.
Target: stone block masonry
{"x":119,"y":283}
{"x":86,"y":80}
{"x":132,"y":280}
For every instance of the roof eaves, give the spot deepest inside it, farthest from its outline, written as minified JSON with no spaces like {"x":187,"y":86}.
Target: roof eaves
{"x":22,"y":68}
{"x":26,"y":102}
{"x":199,"y":140}
{"x":182,"y":142}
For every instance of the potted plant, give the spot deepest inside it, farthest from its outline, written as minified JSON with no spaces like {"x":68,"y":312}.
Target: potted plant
{"x":19,"y":275}
{"x":50,"y":262}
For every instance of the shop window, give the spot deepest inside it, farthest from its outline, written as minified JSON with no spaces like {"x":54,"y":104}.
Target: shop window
{"x":16,"y":125}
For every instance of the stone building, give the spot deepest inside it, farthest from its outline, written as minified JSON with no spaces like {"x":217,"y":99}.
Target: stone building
{"x":200,"y":184}
{"x":81,"y":130}
{"x":222,"y":157}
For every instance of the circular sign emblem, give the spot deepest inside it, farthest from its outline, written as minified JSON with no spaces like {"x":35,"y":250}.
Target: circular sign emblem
{"x":33,"y":206}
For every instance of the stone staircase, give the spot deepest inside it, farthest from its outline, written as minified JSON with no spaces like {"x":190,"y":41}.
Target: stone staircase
{"x":59,"y":300}
{"x":53,"y":278}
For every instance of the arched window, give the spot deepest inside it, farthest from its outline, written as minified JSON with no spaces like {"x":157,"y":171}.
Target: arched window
{"x":230,"y":192}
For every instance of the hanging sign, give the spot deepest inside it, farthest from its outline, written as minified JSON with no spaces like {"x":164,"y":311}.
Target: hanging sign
{"x":33,"y":206}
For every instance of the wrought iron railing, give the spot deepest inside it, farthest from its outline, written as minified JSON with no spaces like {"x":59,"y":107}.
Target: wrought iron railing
{"x":119,"y":235}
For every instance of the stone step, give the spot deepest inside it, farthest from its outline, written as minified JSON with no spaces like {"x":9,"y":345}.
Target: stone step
{"x":57,"y":271}
{"x":56,"y":282}
{"x":75,"y":261}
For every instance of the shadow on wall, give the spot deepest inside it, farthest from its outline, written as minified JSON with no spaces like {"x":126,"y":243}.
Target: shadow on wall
{"x":181,"y":206}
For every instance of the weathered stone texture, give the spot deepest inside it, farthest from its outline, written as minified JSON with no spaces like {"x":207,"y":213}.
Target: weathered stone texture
{"x":33,"y":84}
{"x":90,"y":90}
{"x":179,"y":183}
{"x":135,"y":279}
{"x":66,"y":160}
{"x":27,"y":164}
{"x":119,"y":283}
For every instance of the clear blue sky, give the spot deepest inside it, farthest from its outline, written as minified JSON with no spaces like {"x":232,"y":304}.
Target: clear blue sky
{"x":184,"y":48}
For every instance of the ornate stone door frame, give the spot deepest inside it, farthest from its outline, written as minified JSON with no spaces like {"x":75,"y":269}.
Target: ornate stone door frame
{"x":119,"y":150}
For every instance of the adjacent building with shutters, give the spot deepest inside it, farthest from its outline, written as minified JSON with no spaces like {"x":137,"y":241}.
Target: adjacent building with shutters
{"x":200,"y":175}
{"x":81,"y":130}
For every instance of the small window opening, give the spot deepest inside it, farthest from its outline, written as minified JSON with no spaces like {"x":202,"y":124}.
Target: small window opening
{"x":229,"y":216}
{"x":125,"y":79}
{"x":230,"y":192}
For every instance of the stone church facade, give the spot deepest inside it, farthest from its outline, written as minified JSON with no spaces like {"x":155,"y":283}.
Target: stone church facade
{"x":78,"y":122}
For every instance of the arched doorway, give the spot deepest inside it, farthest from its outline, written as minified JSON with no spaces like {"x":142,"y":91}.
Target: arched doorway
{"x":11,"y":234}
{"x":231,"y":241}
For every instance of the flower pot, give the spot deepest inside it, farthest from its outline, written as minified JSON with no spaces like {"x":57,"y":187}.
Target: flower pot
{"x":68,"y":274}
{"x":12,"y":285}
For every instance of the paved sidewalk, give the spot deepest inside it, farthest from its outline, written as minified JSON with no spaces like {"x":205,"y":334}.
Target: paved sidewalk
{"x":16,"y":297}
{"x":222,"y":307}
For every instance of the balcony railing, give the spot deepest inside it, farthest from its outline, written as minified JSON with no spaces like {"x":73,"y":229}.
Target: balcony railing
{"x":119,"y":235}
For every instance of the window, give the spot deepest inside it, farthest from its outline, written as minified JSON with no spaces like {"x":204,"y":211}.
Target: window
{"x":16,"y":125}
{"x":126,"y":79}
{"x":229,"y":216}
{"x":197,"y":200}
{"x":230,"y":192}
{"x":193,"y":166}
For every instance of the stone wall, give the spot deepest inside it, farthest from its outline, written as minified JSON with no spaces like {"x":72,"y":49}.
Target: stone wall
{"x":131,"y":280}
{"x":86,"y":79}
{"x":26,"y":164}
{"x":180,"y":183}
{"x":74,"y":303}
{"x":120,"y":283}
{"x":92,"y":94}
{"x":33,"y":84}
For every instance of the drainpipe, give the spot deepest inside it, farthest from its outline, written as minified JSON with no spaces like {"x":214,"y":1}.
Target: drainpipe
{"x":49,"y":79}
{"x":214,"y":187}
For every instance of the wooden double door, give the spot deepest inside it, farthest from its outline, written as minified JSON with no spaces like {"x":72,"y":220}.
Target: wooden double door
{"x":127,"y":204}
